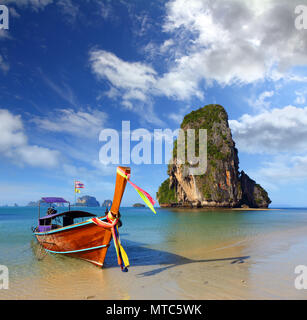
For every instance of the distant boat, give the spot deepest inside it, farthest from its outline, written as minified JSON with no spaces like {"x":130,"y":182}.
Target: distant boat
{"x":88,"y":240}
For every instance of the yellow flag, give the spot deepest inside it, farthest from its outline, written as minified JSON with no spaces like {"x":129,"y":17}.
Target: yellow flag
{"x":77,"y":191}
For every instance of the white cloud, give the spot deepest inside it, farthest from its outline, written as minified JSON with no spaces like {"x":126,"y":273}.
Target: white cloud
{"x":284,"y":169}
{"x":129,"y":76}
{"x":62,"y":89}
{"x":179,"y":114}
{"x":261,"y":103}
{"x":230,"y":42}
{"x":34,"y":4}
{"x":37,"y":156}
{"x":14,"y":143}
{"x":225,"y":41}
{"x":279,"y":133}
{"x":105,"y":9}
{"x":181,"y":83}
{"x":274,"y":131}
{"x":300,"y":96}
{"x":84,"y":123}
{"x":91,"y":172}
{"x":139,"y":81}
{"x":4,"y":34}
{"x":176,"y":117}
{"x":135,"y":82}
{"x":4,"y":66}
{"x":11,"y":131}
{"x":166,"y":45}
{"x":69,"y":9}
{"x":281,"y":170}
{"x":112,"y":93}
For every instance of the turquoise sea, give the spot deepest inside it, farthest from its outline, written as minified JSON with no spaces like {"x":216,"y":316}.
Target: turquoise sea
{"x":160,"y":245}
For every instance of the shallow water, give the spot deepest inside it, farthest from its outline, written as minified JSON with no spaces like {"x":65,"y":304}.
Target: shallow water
{"x":161,"y":248}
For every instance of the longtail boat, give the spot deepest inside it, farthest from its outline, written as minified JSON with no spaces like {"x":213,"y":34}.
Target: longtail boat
{"x":90,"y":239}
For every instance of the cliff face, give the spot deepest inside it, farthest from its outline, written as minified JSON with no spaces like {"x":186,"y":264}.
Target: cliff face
{"x":253,"y":194}
{"x":221,"y":185}
{"x":87,"y":201}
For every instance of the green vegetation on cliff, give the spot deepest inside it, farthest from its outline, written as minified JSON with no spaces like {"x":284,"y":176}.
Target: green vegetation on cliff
{"x":166,"y":194}
{"x":220,"y":185}
{"x":205,"y":117}
{"x":261,"y":196}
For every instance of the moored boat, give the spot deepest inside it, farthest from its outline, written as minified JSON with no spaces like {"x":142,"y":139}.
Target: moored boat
{"x":90,"y":239}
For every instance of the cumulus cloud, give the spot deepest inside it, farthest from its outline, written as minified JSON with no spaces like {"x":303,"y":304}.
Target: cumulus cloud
{"x":134,"y":77}
{"x":235,"y":41}
{"x":274,"y":131}
{"x":261,"y":103}
{"x":279,"y":133}
{"x":224,"y":41}
{"x":11,"y":131}
{"x":84,"y":123}
{"x":137,"y":80}
{"x":134,"y":82}
{"x":14,"y":143}
{"x":284,"y":169}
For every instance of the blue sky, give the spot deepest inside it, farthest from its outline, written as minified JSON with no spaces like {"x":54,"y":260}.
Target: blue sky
{"x":69,"y":69}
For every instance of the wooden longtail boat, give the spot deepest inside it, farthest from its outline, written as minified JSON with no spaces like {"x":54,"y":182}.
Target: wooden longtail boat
{"x":88,"y":240}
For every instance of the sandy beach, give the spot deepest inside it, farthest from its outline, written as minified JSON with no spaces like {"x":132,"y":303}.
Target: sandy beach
{"x":153,"y":150}
{"x":256,"y":267}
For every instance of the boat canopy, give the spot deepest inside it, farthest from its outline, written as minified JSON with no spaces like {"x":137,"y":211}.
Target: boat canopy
{"x":72,"y":214}
{"x":54,"y":200}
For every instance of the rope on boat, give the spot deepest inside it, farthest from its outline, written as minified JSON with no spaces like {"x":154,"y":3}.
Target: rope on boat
{"x":113,"y":221}
{"x":112,"y":224}
{"x":39,"y":250}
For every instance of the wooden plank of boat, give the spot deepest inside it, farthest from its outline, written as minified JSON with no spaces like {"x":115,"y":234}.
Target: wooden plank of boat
{"x":83,"y":240}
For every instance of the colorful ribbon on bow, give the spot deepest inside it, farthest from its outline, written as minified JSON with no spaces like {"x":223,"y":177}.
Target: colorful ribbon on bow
{"x":143,"y":194}
{"x":122,"y":257}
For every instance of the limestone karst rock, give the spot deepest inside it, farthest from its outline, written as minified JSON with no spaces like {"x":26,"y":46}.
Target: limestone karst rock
{"x":222,"y":185}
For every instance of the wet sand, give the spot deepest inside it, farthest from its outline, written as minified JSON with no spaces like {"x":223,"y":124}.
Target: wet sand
{"x":253,"y":209}
{"x":258,"y":267}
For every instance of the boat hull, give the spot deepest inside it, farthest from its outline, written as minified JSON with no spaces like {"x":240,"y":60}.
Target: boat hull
{"x":83,"y":240}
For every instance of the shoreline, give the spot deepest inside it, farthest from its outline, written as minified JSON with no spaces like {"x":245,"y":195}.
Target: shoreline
{"x":235,"y":269}
{"x":185,"y":254}
{"x":218,"y":208}
{"x":254,"y":209}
